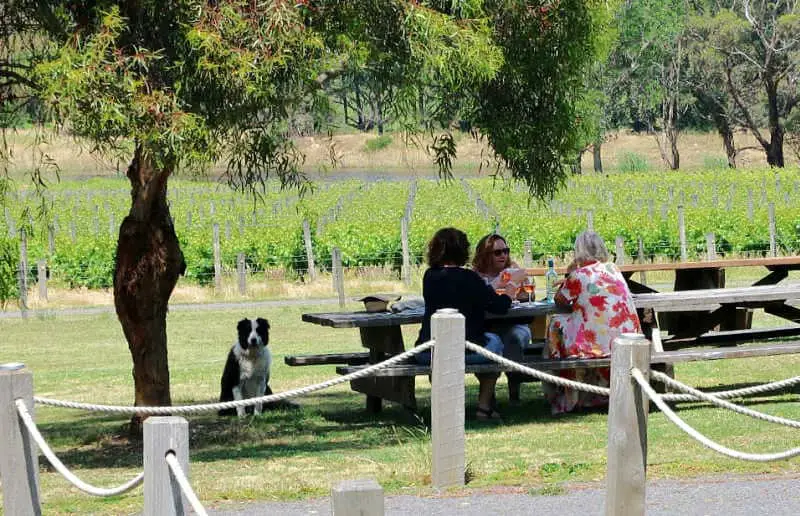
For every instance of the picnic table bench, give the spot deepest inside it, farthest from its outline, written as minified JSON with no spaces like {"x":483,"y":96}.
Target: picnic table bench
{"x":382,"y":337}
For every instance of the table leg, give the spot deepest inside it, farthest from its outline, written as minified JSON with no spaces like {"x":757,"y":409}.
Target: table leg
{"x":384,"y":342}
{"x":686,"y":324}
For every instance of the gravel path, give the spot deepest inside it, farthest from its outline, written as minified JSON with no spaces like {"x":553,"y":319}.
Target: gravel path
{"x":745,"y":496}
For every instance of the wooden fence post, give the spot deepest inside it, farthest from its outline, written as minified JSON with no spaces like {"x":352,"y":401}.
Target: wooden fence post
{"x":338,"y":275}
{"x":682,"y":233}
{"x":626,"y":478}
{"x":447,"y":398}
{"x":405,"y":271}
{"x":162,"y":494}
{"x":241,"y":269}
{"x":527,"y":258}
{"x":41,"y":275}
{"x":19,"y":461}
{"x":642,"y":274}
{"x":312,"y":270}
{"x":773,"y":246}
{"x":23,"y":271}
{"x":711,"y":246}
{"x":619,"y":244}
{"x":217,"y":259}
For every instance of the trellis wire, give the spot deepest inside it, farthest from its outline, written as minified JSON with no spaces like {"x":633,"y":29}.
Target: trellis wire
{"x":61,"y":468}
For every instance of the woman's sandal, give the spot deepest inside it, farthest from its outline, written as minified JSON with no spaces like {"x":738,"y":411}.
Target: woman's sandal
{"x":483,"y":414}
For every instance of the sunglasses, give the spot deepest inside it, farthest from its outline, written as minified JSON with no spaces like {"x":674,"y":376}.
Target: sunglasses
{"x":501,"y":252}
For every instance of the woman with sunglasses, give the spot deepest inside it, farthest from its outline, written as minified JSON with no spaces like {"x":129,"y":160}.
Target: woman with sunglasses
{"x":492,"y":258}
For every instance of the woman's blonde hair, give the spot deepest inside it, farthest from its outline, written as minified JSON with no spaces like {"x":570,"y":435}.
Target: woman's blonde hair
{"x":590,"y":246}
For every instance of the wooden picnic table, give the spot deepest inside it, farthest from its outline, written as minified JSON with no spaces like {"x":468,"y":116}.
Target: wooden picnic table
{"x":381,"y":332}
{"x":701,"y":275}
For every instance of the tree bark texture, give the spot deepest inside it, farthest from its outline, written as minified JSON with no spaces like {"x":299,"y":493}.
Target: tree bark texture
{"x":775,"y":148}
{"x":597,"y":158}
{"x":148,"y":263}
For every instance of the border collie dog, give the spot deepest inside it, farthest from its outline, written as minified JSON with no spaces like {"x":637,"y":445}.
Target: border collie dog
{"x":246,"y":373}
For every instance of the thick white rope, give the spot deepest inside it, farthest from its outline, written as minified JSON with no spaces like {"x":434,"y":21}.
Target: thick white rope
{"x":603,"y":391}
{"x":210,"y":407}
{"x":722,"y":403}
{"x":737,"y":393}
{"x":186,"y":487}
{"x":61,"y":468}
{"x":680,"y":423}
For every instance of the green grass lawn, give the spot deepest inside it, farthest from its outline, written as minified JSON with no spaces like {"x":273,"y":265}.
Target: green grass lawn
{"x":301,"y":453}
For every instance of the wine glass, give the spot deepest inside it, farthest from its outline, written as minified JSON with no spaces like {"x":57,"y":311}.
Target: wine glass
{"x":528,"y":287}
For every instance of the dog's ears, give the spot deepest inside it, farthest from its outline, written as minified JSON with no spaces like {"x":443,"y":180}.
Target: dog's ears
{"x":244,"y":325}
{"x":261,"y":321}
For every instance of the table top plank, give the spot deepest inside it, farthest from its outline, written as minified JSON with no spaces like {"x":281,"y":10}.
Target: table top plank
{"x":789,"y":262}
{"x":684,"y":300}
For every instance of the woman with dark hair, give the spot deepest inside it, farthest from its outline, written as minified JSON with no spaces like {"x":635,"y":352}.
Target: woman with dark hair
{"x":492,"y":258}
{"x":447,"y":284}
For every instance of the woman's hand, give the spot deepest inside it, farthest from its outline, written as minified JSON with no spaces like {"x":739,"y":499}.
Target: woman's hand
{"x":511,"y":290}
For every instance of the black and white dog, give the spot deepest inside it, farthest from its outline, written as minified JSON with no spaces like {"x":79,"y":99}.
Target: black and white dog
{"x":246,"y":373}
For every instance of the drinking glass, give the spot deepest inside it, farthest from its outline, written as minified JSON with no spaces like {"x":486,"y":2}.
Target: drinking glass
{"x":528,"y":287}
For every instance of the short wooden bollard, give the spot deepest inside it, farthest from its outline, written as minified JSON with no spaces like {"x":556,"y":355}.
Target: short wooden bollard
{"x":19,"y":462}
{"x":447,"y":399}
{"x":162,"y":494}
{"x":626,"y":478}
{"x":357,"y":498}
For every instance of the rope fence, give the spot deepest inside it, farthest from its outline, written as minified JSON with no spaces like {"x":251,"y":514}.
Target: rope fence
{"x":705,"y":441}
{"x":30,"y":425}
{"x":210,"y":407}
{"x":186,"y":487}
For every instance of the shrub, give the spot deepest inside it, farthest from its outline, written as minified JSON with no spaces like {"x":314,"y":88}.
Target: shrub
{"x":633,"y":162}
{"x":376,"y":144}
{"x":8,"y":270}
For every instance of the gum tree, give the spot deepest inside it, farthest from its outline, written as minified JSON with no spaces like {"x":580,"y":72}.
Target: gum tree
{"x":175,"y":86}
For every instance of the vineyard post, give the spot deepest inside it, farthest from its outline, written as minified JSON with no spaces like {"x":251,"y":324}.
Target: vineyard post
{"x":241,"y":269}
{"x":41,"y":274}
{"x":619,"y":243}
{"x":96,"y":220}
{"x":51,"y":239}
{"x":773,"y":248}
{"x":241,"y":225}
{"x":188,"y":220}
{"x":715,"y":196}
{"x":73,"y":231}
{"x":227,"y":230}
{"x":682,"y":233}
{"x":23,"y":272}
{"x":312,"y":270}
{"x":750,"y":204}
{"x":664,"y":211}
{"x":405,"y":272}
{"x":590,"y":220}
{"x":527,"y":258}
{"x":12,"y":230}
{"x":642,"y":274}
{"x":217,"y":262}
{"x":338,"y":275}
{"x":711,"y":246}
{"x":112,"y":225}
{"x":650,"y":209}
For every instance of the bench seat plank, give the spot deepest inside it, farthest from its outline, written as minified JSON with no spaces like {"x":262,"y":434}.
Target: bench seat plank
{"x":667,"y":357}
{"x":328,"y":358}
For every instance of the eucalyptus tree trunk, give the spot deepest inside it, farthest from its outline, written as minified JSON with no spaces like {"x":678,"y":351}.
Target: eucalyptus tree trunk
{"x":148,"y":264}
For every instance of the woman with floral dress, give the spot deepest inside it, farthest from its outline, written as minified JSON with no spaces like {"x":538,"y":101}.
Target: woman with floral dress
{"x":601,"y":308}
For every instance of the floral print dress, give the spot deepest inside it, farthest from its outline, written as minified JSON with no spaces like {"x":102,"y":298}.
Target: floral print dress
{"x":602,"y":309}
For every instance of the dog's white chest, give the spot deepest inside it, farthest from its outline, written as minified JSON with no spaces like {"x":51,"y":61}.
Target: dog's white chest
{"x":254,"y":373}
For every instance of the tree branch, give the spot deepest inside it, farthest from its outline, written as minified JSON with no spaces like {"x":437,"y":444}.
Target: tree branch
{"x":749,"y":119}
